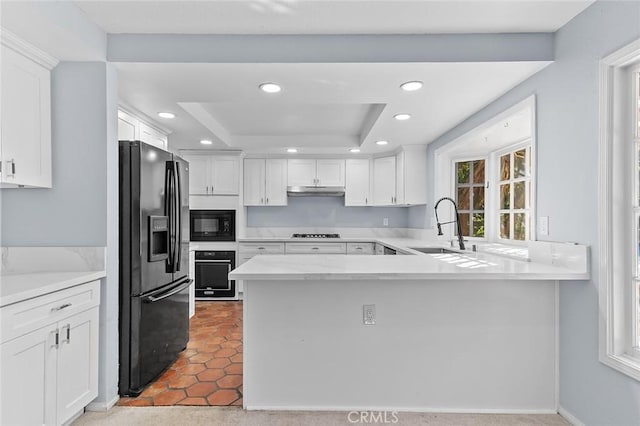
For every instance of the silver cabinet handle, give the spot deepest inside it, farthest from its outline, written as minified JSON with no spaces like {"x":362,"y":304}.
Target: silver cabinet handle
{"x":267,"y":200}
{"x":56,"y":338}
{"x":358,"y":248}
{"x":61,"y":307}
{"x":315,"y":248}
{"x":366,"y":200}
{"x":260,"y":248}
{"x":68,"y":339}
{"x":13,"y":167}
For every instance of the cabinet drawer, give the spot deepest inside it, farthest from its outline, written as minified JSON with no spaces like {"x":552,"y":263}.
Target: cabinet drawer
{"x":23,"y":317}
{"x":261,"y":248}
{"x":316,"y":248}
{"x":359,"y":248}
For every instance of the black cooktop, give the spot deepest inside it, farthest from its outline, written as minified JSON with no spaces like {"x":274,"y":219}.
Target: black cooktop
{"x":316,"y":236}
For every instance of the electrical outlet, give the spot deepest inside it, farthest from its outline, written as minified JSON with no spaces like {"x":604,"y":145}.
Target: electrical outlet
{"x":385,"y":221}
{"x":369,"y":314}
{"x":543,"y":225}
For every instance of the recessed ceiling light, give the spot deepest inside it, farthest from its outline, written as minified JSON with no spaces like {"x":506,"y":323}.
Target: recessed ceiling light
{"x":402,"y":116}
{"x":292,"y":150}
{"x":354,"y":150}
{"x":382,"y":142}
{"x":411,"y":86}
{"x":166,"y":115}
{"x":270,"y":87}
{"x":206,"y":142}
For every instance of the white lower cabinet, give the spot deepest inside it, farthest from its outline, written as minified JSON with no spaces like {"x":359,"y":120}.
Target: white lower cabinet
{"x":49,"y":372}
{"x":246,"y":251}
{"x":315,"y":248}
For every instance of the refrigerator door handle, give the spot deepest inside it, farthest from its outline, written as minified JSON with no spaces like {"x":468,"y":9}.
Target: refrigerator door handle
{"x":178,"y":196}
{"x":167,"y":212}
{"x":177,"y":289}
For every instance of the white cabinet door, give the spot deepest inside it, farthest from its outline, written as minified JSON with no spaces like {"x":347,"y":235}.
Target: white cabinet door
{"x":25,"y":122}
{"x":254,"y":181}
{"x":28,"y":379}
{"x":151,"y":136}
{"x":384,"y":181}
{"x":357,"y":182}
{"x":198,"y":174}
{"x":276,"y":182}
{"x":77,"y":373}
{"x":330,"y":172}
{"x":225,"y":175}
{"x":400,"y":179}
{"x":301,"y":172}
{"x":127,"y":127}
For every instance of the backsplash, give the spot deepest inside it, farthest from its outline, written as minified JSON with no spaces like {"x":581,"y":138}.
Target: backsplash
{"x":24,"y":260}
{"x":326,"y":212}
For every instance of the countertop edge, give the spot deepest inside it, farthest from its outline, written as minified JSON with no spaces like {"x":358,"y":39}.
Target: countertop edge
{"x":56,"y":284}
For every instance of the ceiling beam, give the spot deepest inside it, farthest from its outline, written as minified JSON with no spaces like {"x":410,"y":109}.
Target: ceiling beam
{"x":194,"y":48}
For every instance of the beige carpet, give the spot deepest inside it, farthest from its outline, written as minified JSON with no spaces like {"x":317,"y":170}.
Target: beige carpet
{"x":156,"y":416}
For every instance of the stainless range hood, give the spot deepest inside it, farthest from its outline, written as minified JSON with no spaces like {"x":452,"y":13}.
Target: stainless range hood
{"x":315,"y":191}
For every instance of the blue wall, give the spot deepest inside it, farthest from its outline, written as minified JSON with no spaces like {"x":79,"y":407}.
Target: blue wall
{"x":74,"y":211}
{"x":325,"y":212}
{"x":567,"y":159}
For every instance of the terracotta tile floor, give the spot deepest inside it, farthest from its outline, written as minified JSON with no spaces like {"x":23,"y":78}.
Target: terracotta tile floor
{"x":209,"y":371}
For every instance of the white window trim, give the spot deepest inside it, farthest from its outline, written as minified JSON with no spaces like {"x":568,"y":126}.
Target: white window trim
{"x":494,"y":158}
{"x":444,"y":162}
{"x":613,"y":273}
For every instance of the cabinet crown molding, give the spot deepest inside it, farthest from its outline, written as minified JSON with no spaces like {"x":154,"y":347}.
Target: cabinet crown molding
{"x":13,"y":42}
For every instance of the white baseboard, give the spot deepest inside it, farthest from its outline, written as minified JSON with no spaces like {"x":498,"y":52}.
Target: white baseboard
{"x":569,"y":417}
{"x":403,"y":409}
{"x":102,"y":406}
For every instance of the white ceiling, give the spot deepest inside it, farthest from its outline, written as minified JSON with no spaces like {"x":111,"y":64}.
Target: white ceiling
{"x":322,"y":108}
{"x":331,"y":16}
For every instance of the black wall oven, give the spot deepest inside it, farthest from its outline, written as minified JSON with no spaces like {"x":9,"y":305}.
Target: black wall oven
{"x":212,"y":225}
{"x":212,"y":275}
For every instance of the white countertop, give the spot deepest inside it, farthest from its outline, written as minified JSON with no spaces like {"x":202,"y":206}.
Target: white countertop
{"x":448,"y":266}
{"x":18,"y":287}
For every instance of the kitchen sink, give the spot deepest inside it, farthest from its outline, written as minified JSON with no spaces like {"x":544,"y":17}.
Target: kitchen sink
{"x":429,"y":250}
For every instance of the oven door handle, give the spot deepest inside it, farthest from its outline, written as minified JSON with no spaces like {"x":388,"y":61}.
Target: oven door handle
{"x":214,"y":261}
{"x":177,"y":289}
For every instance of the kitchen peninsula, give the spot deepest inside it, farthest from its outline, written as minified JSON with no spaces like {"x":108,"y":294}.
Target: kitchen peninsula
{"x":450,"y":332}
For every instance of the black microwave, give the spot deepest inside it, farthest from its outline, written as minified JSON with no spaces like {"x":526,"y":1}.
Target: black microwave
{"x":212,"y":225}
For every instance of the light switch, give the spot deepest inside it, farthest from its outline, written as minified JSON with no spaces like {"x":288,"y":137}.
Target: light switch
{"x":543,"y":225}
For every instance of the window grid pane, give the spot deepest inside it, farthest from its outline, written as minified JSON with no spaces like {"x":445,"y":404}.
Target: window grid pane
{"x":470,"y":196}
{"x":514,"y":195}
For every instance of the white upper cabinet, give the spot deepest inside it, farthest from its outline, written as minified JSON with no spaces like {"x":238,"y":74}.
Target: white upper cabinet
{"x":213,"y":174}
{"x":254,"y":181}
{"x":301,"y":172}
{"x":305,"y":172}
{"x":131,"y":128}
{"x":357,"y":185}
{"x":25,"y":142}
{"x":276,"y":182}
{"x":384,"y":181}
{"x":411,"y":176}
{"x":225,"y":173}
{"x":401,"y":180}
{"x":265,"y":182}
{"x":330,"y":172}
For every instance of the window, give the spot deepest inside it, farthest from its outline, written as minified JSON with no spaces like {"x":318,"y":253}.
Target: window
{"x":490,"y":173}
{"x":470,"y":195}
{"x":619,"y":210}
{"x":514,"y":187}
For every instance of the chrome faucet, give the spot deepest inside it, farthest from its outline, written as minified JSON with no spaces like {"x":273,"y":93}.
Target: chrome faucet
{"x":457,"y":221}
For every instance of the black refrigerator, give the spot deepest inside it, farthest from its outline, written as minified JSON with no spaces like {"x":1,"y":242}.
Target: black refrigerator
{"x":154,"y":262}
